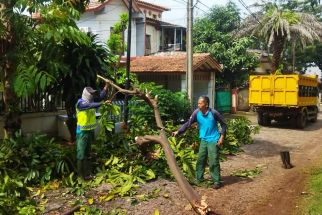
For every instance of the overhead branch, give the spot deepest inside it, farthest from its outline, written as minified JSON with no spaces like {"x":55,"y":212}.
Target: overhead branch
{"x":198,"y":204}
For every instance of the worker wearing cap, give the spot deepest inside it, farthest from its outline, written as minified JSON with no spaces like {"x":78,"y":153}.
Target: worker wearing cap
{"x":86,"y":125}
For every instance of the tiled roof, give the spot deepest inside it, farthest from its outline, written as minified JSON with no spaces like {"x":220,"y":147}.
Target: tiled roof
{"x":147,"y":4}
{"x":173,"y":63}
{"x":160,"y":23}
{"x":96,"y":5}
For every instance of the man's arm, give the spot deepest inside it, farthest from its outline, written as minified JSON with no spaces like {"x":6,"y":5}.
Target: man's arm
{"x":223,"y":125}
{"x":103,"y":93}
{"x":81,"y":105}
{"x":185,"y":126}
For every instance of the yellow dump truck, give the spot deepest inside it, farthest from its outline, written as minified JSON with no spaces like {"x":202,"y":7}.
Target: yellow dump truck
{"x":284,"y":97}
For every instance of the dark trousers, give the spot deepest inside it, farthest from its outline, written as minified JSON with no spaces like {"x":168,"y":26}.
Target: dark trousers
{"x":212,"y":150}
{"x":84,"y":141}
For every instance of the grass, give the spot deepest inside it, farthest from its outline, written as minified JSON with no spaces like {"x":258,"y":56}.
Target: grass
{"x":313,"y":203}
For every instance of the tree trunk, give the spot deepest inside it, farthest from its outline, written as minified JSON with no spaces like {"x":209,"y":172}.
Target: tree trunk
{"x":12,"y":119}
{"x":293,"y":55}
{"x":277,"y":47}
{"x":199,"y":205}
{"x":71,"y":122}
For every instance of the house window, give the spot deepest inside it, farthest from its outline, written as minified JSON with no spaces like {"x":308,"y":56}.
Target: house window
{"x":147,"y":44}
{"x":154,"y":16}
{"x":159,"y":15}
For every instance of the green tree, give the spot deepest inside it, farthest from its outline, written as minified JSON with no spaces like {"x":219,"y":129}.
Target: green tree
{"x":277,"y":25}
{"x":31,"y":49}
{"x":212,"y":34}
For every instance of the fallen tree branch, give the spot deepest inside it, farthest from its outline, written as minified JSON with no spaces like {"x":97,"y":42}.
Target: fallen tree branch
{"x":71,"y":211}
{"x":198,"y":204}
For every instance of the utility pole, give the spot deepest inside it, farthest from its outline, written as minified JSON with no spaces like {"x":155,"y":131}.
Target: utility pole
{"x":128,"y":63}
{"x":189,"y":51}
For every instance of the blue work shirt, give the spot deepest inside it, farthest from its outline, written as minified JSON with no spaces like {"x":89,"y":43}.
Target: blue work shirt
{"x":208,"y":127}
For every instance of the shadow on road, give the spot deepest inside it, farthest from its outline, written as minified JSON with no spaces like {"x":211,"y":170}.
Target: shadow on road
{"x":263,"y":148}
{"x":229,"y":180}
{"x":287,"y":125}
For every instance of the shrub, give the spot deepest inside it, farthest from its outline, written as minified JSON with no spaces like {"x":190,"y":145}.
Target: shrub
{"x":26,"y":161}
{"x":173,"y":106}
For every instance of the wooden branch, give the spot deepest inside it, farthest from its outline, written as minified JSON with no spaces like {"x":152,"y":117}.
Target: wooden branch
{"x":135,"y":92}
{"x":198,"y":204}
{"x":71,"y":211}
{"x":147,"y":139}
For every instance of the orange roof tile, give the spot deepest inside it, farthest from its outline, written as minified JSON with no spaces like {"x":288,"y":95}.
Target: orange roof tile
{"x":96,"y":5}
{"x":150,"y":5}
{"x":172,"y":63}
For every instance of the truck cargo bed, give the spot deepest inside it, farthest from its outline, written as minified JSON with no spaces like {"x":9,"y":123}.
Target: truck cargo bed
{"x":283,"y":90}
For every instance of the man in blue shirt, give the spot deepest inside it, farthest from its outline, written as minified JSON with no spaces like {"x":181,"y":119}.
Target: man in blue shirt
{"x":211,"y":139}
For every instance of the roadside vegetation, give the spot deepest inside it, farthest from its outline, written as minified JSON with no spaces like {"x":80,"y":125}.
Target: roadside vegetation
{"x":311,"y":204}
{"x":30,"y":166}
{"x":53,"y":55}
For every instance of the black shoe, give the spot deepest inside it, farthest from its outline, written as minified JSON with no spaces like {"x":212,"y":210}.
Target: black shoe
{"x":217,"y":186}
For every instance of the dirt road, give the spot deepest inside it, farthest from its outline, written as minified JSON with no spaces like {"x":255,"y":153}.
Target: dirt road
{"x":275,"y":191}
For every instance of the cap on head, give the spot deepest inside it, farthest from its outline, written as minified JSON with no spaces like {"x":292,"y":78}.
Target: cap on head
{"x":88,"y":94}
{"x":90,"y":90}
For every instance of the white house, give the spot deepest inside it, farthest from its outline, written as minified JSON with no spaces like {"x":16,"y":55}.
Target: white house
{"x":149,"y":33}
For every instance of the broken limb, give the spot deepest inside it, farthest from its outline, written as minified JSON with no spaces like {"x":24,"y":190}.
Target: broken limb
{"x":198,"y":204}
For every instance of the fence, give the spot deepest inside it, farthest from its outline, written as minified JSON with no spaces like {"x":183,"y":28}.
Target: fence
{"x":40,"y":102}
{"x":45,"y":102}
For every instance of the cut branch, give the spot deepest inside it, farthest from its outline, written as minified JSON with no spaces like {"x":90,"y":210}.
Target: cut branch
{"x":199,"y":205}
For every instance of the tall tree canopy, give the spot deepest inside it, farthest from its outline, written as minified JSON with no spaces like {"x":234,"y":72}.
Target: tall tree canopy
{"x":277,"y":24}
{"x":212,"y":34}
{"x":32,"y":50}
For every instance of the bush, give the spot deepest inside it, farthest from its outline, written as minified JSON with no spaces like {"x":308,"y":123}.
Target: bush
{"x":25,"y":162}
{"x":173,"y":106}
{"x":239,"y":132}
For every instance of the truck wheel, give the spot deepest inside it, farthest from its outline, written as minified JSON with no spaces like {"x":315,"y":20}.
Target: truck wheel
{"x":315,"y":118}
{"x":301,"y":120}
{"x":266,"y":120}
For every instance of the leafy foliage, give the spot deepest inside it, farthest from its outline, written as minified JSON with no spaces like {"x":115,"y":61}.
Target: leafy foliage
{"x":276,"y":25}
{"x":213,"y":34}
{"x":239,"y":132}
{"x":26,"y":161}
{"x":247,"y":173}
{"x":172,"y":105}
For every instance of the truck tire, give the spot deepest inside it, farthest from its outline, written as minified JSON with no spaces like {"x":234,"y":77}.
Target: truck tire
{"x":301,"y":120}
{"x":266,"y":120}
{"x":315,"y":118}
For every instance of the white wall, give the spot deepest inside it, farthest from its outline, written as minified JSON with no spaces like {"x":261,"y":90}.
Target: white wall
{"x":36,"y":122}
{"x":140,"y":38}
{"x":155,"y":37}
{"x":101,"y":22}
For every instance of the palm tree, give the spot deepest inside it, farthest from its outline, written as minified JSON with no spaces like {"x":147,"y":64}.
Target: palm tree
{"x":277,"y":26}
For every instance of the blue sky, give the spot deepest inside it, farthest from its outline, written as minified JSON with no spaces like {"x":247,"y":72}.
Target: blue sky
{"x":178,"y":12}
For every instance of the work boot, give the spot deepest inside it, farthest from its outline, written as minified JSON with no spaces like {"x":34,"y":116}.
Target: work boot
{"x":87,"y":169}
{"x":217,"y":186}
